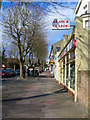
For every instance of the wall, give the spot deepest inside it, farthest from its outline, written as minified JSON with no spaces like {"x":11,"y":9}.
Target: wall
{"x":83,"y":88}
{"x":56,"y":63}
{"x":81,"y":8}
{"x":64,"y":42}
{"x":89,"y":6}
{"x":81,"y":36}
{"x":81,"y":62}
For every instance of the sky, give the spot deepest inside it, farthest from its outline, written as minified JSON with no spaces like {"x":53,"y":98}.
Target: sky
{"x":55,"y":35}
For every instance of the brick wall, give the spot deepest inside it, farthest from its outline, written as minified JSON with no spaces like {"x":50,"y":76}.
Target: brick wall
{"x":83,"y":88}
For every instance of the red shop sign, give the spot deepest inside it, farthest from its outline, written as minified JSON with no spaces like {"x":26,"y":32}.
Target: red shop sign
{"x":71,"y":44}
{"x":74,"y":43}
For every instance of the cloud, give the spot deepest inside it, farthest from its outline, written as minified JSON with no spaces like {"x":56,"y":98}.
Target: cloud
{"x":59,"y":13}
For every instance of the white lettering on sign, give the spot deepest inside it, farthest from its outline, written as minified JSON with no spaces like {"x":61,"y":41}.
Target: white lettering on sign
{"x":60,"y":24}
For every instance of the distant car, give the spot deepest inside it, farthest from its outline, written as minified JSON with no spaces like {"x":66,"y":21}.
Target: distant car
{"x":14,"y":73}
{"x":17,"y":71}
{"x":11,"y":71}
{"x":4,"y":73}
{"x":36,"y":71}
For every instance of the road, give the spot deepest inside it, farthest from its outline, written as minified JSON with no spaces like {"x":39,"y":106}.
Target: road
{"x":38,"y":97}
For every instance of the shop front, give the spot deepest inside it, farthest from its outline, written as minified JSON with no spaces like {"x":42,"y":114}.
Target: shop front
{"x":51,"y":65}
{"x":67,"y":61}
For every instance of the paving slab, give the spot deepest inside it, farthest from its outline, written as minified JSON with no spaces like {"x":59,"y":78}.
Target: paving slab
{"x":38,"y":97}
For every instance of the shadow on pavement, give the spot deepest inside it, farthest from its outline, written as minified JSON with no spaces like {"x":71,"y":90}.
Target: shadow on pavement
{"x":42,"y":95}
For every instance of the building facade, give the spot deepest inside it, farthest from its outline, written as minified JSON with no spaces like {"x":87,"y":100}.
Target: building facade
{"x":73,"y":63}
{"x":83,"y":10}
{"x":72,"y":69}
{"x":54,"y":59}
{"x":73,"y":59}
{"x":55,"y":70}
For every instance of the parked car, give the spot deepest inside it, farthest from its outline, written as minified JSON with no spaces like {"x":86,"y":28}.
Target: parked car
{"x":11,"y":71}
{"x":17,"y":71}
{"x":36,"y":71}
{"x":4,"y":73}
{"x":14,"y":73}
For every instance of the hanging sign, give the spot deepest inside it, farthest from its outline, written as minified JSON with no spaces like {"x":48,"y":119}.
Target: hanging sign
{"x":51,"y":62}
{"x":60,"y":24}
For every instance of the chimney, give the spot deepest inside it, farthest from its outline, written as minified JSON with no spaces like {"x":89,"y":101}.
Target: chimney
{"x":65,"y":39}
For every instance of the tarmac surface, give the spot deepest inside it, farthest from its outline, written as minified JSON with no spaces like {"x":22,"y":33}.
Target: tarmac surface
{"x":38,"y":97}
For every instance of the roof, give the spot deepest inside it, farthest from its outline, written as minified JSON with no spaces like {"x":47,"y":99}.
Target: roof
{"x":78,"y":6}
{"x":55,"y":46}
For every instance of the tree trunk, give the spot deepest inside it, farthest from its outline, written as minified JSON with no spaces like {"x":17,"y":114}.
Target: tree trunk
{"x":14,"y":67}
{"x":21,"y":70}
{"x":0,"y":4}
{"x":29,"y":60}
{"x":32,"y":59}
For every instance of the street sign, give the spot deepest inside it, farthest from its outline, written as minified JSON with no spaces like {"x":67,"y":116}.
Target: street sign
{"x":60,"y":24}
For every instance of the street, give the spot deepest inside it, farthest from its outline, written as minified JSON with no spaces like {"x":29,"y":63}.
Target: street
{"x":38,"y":97}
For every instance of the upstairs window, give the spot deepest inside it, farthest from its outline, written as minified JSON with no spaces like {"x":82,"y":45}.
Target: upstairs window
{"x":85,"y":9}
{"x":87,"y":24}
{"x":86,"y":12}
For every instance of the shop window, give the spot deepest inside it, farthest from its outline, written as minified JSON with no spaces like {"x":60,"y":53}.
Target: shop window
{"x":72,"y":75}
{"x":67,"y":71}
{"x":68,"y":58}
{"x":72,"y":55}
{"x":64,"y":74}
{"x":64,"y":60}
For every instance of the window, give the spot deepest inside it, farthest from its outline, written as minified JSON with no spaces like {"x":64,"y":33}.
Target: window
{"x":67,"y":71}
{"x":64,"y":60}
{"x":86,"y":12}
{"x":86,"y":23}
{"x":72,"y":75}
{"x":85,"y":9}
{"x":68,"y":58}
{"x":72,"y":55}
{"x":64,"y":74}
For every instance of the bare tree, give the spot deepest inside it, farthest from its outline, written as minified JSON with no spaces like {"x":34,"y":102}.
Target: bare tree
{"x":40,"y":48}
{"x":20,"y":23}
{"x":15,"y":23}
{"x":13,"y":54}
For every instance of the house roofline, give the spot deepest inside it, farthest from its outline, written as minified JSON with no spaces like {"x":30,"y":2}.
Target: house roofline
{"x":77,"y":7}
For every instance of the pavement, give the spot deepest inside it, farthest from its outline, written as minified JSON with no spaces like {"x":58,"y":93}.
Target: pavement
{"x":38,"y":97}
